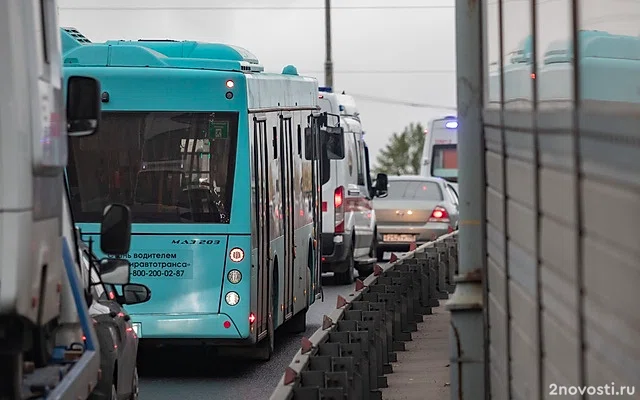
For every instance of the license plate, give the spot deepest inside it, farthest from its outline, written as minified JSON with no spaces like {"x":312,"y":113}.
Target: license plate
{"x":399,"y":238}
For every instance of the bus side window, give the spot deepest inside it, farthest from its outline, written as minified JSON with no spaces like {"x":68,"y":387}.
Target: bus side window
{"x":275,"y":143}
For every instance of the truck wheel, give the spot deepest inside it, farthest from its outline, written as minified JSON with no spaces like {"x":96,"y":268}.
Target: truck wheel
{"x":347,"y":277}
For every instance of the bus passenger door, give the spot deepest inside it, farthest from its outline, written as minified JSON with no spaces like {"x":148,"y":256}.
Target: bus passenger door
{"x":317,"y":198}
{"x":285,"y":174}
{"x":261,"y":159}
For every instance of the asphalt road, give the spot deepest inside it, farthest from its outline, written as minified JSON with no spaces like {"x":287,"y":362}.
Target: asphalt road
{"x":194,"y":376}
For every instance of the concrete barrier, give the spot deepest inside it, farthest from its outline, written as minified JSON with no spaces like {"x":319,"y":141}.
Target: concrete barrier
{"x":349,"y":356}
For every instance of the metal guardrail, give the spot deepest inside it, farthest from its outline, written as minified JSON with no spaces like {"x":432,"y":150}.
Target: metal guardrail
{"x":349,"y":355}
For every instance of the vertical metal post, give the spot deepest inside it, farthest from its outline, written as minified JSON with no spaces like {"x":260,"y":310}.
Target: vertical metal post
{"x":466,"y":303}
{"x":328,"y":64}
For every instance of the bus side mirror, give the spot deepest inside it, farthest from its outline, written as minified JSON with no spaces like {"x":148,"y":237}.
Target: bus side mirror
{"x":335,"y":142}
{"x":325,"y":161}
{"x":83,"y":105}
{"x":115,"y":230}
{"x":382,"y":185}
{"x":308,"y":144}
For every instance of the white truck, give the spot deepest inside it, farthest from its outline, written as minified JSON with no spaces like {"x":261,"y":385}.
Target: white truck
{"x":349,"y":233}
{"x":48,"y":347}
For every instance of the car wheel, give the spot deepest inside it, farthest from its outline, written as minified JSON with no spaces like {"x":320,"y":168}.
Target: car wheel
{"x":373,"y":251}
{"x":135,"y":388}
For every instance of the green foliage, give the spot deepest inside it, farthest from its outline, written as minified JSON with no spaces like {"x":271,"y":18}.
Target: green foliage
{"x":403,"y":153}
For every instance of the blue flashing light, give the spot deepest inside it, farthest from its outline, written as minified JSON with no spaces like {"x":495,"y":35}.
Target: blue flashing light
{"x":325,"y":89}
{"x":451,"y":124}
{"x":341,"y":107}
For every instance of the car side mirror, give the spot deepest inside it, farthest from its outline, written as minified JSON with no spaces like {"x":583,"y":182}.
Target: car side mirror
{"x":83,"y":105}
{"x":114,"y":271}
{"x":382,"y":184}
{"x":135,"y":293}
{"x":115,"y":230}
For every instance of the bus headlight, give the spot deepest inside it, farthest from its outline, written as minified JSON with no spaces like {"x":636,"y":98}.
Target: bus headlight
{"x":236,"y":254}
{"x":234,"y":276}
{"x":232,"y":298}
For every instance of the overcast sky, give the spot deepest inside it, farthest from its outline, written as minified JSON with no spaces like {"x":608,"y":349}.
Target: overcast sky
{"x":369,"y":44}
{"x":401,"y":51}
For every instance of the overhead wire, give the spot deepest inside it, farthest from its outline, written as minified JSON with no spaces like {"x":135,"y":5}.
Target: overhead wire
{"x":251,"y":8}
{"x":405,"y":103}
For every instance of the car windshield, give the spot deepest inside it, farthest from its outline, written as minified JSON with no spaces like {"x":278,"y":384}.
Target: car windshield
{"x":413,"y":190}
{"x":168,"y":167}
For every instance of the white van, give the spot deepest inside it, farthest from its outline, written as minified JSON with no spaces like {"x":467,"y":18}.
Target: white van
{"x":440,"y":152}
{"x":349,"y":234}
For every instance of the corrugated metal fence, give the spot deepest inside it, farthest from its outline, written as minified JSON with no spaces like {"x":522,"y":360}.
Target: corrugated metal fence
{"x":562,"y":146}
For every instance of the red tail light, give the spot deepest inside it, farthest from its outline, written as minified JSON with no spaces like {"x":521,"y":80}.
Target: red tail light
{"x":252,"y":318}
{"x":324,"y":206}
{"x":338,"y":197}
{"x":338,"y":203}
{"x":439,"y":214}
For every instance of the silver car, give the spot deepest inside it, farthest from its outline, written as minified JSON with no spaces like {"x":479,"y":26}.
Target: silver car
{"x":417,"y":210}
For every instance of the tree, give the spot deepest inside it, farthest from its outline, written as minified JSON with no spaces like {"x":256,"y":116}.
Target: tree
{"x":403,"y":153}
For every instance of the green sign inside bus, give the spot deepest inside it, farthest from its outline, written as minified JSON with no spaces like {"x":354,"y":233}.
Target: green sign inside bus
{"x":218,"y":129}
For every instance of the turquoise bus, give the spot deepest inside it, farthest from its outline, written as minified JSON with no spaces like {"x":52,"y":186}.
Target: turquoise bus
{"x":221,"y":166}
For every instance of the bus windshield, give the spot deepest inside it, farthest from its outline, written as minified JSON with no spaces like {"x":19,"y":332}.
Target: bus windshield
{"x":168,"y":167}
{"x":445,"y":162}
